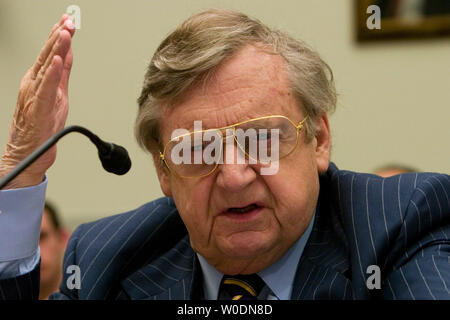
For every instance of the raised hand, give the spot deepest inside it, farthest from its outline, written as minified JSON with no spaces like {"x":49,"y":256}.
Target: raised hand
{"x":42,"y":106}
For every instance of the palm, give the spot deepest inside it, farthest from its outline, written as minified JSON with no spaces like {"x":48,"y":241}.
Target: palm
{"x":42,"y":104}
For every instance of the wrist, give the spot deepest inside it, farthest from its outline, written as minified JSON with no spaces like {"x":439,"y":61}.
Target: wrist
{"x":23,"y":180}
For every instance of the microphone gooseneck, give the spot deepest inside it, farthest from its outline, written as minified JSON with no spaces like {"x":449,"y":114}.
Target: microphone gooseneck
{"x":114,"y":158}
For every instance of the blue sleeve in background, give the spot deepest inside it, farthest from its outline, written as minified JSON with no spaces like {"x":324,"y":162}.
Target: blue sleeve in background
{"x":20,"y":224}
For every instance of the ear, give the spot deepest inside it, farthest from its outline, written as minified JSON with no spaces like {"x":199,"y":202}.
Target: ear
{"x":323,"y":146}
{"x":163,"y":174}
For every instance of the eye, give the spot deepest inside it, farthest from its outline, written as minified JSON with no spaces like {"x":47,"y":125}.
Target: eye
{"x":263,"y":135}
{"x":198,"y":147}
{"x":43,"y":236}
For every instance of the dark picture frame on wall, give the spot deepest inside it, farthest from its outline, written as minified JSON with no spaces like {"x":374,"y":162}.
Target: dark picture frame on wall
{"x":403,"y":19}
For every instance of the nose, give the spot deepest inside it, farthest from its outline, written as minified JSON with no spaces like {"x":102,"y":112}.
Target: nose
{"x":235,"y":173}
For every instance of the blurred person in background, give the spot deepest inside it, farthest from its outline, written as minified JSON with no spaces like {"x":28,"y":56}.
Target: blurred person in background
{"x":52,"y":242}
{"x":393,"y":170}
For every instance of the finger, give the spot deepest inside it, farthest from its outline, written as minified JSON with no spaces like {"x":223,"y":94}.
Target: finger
{"x":60,"y":48}
{"x":45,"y":52}
{"x":61,"y":21}
{"x":46,"y":94}
{"x":69,"y":26}
{"x":67,"y":66}
{"x":46,"y":49}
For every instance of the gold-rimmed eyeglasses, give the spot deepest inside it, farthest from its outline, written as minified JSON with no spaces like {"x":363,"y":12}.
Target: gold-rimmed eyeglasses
{"x":260,"y":140}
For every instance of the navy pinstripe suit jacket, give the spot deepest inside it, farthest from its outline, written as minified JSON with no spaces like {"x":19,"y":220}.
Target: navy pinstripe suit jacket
{"x":401,"y":224}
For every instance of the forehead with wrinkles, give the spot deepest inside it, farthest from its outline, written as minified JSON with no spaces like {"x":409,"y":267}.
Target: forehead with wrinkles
{"x":250,"y":84}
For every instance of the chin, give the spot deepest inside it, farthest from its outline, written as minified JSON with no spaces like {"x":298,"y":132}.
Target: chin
{"x":246,"y":245}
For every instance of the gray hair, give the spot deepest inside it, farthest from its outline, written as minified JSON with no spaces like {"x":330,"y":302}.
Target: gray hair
{"x":202,"y":42}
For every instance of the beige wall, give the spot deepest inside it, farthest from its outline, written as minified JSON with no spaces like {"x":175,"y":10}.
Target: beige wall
{"x":393,"y":104}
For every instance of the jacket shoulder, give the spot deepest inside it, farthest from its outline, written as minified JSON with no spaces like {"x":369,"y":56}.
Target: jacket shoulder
{"x":108,"y":249}
{"x":388,"y":220}
{"x":156,"y":208}
{"x":390,"y":199}
{"x":394,"y":223}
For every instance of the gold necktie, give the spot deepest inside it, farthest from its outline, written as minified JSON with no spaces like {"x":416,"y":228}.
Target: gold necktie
{"x":240,"y":287}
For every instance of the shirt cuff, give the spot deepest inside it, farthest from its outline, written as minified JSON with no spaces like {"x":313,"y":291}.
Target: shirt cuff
{"x":17,"y":268}
{"x":20,"y":221}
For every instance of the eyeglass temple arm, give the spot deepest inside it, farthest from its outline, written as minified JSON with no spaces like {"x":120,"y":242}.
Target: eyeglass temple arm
{"x":300,"y":124}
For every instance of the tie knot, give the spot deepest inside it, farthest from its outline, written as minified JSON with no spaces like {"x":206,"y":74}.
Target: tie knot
{"x":240,"y":287}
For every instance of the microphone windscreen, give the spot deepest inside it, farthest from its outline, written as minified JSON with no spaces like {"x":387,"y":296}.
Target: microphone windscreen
{"x":116,"y":161}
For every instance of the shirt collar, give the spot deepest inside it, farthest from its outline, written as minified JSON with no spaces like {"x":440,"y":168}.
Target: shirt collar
{"x":279,"y":277}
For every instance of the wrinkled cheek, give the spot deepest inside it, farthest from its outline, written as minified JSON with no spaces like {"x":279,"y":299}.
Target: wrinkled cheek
{"x":199,"y":226}
{"x":296,"y":205}
{"x":202,"y":231}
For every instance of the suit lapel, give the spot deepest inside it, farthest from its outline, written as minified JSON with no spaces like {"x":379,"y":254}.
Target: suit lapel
{"x":323,"y":270}
{"x":173,"y":276}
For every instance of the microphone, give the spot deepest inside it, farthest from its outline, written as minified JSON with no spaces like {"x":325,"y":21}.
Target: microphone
{"x":114,"y":158}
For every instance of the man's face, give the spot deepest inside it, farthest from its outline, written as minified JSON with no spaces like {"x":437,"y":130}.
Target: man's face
{"x":52,"y":246}
{"x":251,"y":84}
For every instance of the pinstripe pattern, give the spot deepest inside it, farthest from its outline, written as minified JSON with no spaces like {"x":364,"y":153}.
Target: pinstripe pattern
{"x":25,"y":287}
{"x":401,"y":224}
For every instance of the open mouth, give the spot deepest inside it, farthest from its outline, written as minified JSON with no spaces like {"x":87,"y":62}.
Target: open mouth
{"x":245,"y":209}
{"x":244,"y":213}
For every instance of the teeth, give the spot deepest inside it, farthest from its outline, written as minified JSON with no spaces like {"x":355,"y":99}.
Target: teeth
{"x":243,"y":210}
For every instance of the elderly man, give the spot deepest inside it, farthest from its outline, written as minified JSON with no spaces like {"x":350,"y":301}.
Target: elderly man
{"x":229,"y":227}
